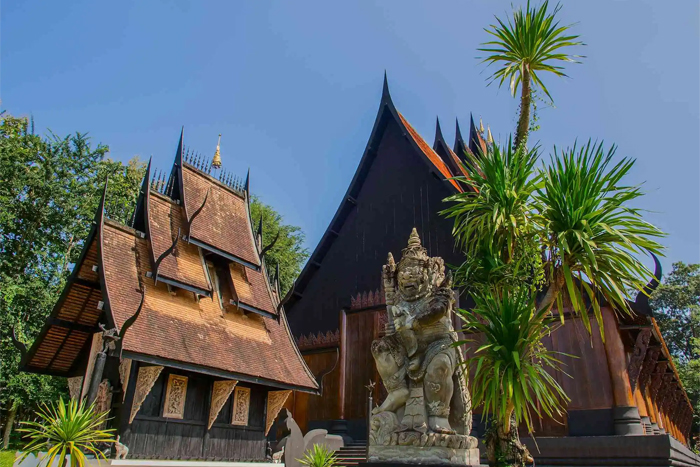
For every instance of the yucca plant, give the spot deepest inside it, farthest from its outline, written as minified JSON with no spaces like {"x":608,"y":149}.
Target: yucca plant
{"x":62,"y":430}
{"x":319,"y":456}
{"x":530,"y":43}
{"x":504,"y":181}
{"x":590,"y":234}
{"x":511,"y":378}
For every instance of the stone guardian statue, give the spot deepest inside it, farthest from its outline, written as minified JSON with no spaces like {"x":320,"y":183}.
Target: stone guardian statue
{"x":426,"y":417}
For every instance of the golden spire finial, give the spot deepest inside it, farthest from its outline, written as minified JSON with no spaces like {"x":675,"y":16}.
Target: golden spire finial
{"x":489,"y":138}
{"x":216,"y":161}
{"x":481,"y":125}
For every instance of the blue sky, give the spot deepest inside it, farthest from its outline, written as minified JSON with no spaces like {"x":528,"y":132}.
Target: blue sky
{"x":294,"y":87}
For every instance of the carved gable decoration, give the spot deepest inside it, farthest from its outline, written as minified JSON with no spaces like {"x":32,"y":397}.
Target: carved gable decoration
{"x":124,"y":371}
{"x":75,"y":385}
{"x":241,"y":406}
{"x":275,"y":401}
{"x":145,"y":381}
{"x":175,"y":395}
{"x":220,"y":392}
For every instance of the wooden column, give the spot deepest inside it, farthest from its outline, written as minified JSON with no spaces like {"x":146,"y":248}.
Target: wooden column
{"x":343,"y":361}
{"x":643,"y":412}
{"x":626,"y":417}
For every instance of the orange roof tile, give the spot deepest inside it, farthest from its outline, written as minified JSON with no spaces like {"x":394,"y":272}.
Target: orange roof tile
{"x":224,"y":222}
{"x":184,"y":264}
{"x":429,"y":152}
{"x":178,"y":328}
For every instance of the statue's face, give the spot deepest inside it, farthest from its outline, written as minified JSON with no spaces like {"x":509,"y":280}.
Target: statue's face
{"x":413,"y":281}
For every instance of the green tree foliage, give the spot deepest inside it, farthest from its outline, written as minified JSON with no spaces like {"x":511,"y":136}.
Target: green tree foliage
{"x":524,"y":46}
{"x":72,"y":429}
{"x":288,"y":252}
{"x":49,"y":193}
{"x":676,"y":305}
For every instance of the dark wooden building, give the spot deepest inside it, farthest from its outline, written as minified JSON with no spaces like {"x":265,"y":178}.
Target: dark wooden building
{"x":204,"y":358}
{"x":627,"y":386}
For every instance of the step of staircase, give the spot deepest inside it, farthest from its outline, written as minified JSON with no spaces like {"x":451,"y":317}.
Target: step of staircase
{"x":352,"y":454}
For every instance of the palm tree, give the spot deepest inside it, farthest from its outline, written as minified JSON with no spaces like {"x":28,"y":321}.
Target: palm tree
{"x":526,"y":45}
{"x":511,"y":380}
{"x":564,"y":230}
{"x":62,"y":429}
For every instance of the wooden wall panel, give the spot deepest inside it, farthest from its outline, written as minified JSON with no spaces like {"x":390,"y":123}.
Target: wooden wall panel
{"x":308,"y":407}
{"x":360,"y":368}
{"x":151,"y":436}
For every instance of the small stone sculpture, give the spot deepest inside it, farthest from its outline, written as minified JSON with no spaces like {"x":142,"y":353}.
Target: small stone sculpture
{"x":121,"y":450}
{"x":293,"y":445}
{"x":426,"y":417}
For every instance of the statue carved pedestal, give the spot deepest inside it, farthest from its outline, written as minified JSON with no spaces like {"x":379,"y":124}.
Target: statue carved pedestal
{"x":426,"y":417}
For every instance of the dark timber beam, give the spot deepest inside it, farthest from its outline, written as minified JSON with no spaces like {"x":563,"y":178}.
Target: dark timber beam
{"x":62,"y":323}
{"x":87,"y":283}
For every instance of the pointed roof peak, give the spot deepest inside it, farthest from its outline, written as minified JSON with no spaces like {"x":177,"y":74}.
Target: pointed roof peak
{"x":438,"y":130}
{"x":247,"y":182}
{"x":386,"y":96}
{"x":438,"y":134}
{"x":180,"y":148}
{"x":459,"y":140}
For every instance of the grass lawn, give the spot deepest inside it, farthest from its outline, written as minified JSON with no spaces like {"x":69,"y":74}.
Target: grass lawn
{"x":7,"y":458}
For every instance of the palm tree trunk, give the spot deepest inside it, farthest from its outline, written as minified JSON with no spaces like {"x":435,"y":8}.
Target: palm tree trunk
{"x":524,"y":119}
{"x":11,"y":414}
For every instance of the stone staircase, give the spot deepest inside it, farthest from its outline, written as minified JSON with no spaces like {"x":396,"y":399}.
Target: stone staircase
{"x":352,"y":454}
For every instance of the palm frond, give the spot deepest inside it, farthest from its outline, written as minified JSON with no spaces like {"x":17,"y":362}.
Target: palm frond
{"x":491,"y":221}
{"x":532,"y":40}
{"x":66,"y":429}
{"x":589,"y":229}
{"x":511,"y":368}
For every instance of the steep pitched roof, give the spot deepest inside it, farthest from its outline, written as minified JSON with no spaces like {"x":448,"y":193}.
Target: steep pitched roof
{"x":178,"y":328}
{"x":223,"y":224}
{"x":447,"y":154}
{"x":433,"y":162}
{"x":182,"y":266}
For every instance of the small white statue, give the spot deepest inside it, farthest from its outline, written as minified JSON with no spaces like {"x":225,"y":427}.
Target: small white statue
{"x":121,"y":449}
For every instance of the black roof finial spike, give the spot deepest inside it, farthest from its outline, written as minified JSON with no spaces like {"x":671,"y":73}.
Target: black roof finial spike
{"x":247,"y":182}
{"x":438,"y":132}
{"x":180,"y":148}
{"x":386,"y":96}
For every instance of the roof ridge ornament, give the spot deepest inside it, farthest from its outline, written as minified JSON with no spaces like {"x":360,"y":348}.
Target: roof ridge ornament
{"x":216,"y":160}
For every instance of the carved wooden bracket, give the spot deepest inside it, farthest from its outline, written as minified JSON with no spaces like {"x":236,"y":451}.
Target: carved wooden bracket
{"x":124,"y":371}
{"x":275,"y":402}
{"x":220,"y":393}
{"x":75,"y":385}
{"x":638,"y":355}
{"x":145,"y":381}
{"x":648,"y":366}
{"x":656,"y":379}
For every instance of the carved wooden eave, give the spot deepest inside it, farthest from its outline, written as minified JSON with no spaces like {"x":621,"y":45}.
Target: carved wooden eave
{"x":321,"y":340}
{"x":275,"y":402}
{"x":220,"y":393}
{"x":387,"y":112}
{"x":367,"y":300}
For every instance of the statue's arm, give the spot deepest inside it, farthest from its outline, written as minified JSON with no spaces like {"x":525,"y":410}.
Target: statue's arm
{"x":438,"y":306}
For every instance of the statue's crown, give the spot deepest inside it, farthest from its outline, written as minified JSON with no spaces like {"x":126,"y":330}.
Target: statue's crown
{"x":414,"y":252}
